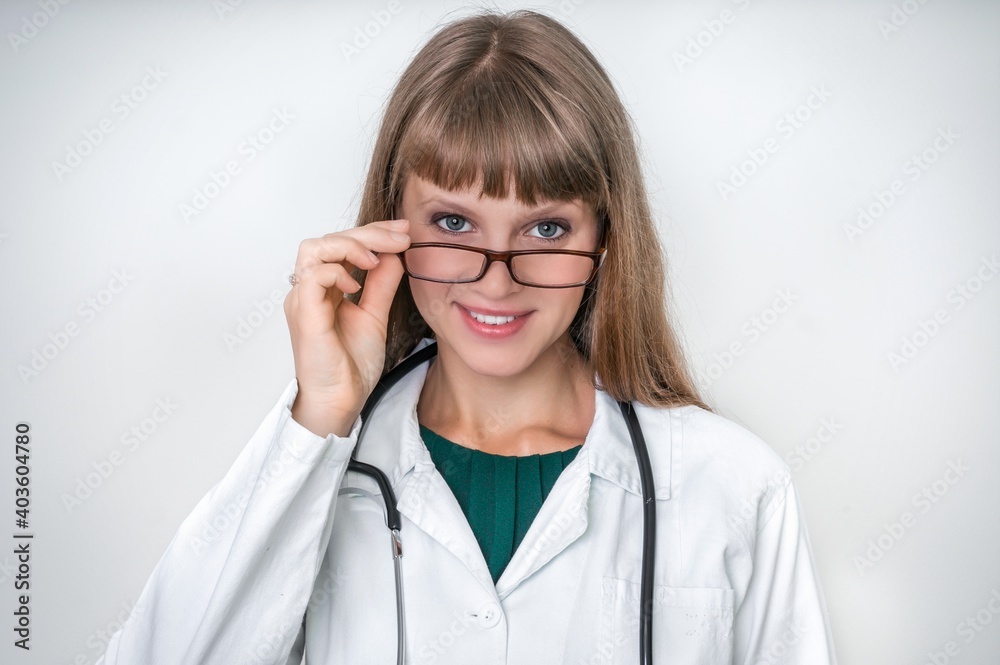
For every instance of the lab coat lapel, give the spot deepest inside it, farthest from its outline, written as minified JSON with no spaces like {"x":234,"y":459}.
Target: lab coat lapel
{"x":563,"y":516}
{"x":560,"y":521}
{"x":607,"y":453}
{"x":427,"y":500}
{"x":392,"y":442}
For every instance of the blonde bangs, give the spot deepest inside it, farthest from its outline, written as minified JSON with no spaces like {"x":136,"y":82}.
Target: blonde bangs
{"x":502,"y":130}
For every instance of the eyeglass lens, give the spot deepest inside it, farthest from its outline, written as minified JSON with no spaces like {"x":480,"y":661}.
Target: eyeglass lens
{"x":450,"y":264}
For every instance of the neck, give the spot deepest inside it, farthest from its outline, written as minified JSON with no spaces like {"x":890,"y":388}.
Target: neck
{"x":546,"y":408}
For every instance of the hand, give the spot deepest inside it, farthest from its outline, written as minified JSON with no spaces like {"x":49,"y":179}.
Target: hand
{"x":339,"y":347}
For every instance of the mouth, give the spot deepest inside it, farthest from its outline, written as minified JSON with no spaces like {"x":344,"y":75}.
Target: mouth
{"x":493,"y":317}
{"x":493,"y":324}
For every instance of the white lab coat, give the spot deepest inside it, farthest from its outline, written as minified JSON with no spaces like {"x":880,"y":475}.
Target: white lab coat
{"x":274,"y":541}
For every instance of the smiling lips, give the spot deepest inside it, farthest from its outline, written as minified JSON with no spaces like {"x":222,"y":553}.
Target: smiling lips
{"x":491,"y":316}
{"x":493,"y":323}
{"x":492,"y":320}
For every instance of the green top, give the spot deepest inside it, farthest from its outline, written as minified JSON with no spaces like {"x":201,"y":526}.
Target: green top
{"x":499,"y":494}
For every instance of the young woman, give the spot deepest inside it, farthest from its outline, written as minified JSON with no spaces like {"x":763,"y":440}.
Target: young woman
{"x":505,"y":185}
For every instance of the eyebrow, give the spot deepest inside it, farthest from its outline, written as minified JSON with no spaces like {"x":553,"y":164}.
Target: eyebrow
{"x":449,"y":203}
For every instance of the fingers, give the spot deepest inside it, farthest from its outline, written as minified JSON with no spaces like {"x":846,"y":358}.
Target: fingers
{"x":325,"y":264}
{"x":380,"y":287}
{"x":357,"y":246}
{"x":329,"y":276}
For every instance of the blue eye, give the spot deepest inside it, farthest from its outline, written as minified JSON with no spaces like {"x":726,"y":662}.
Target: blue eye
{"x":452,"y":223}
{"x":548,"y":230}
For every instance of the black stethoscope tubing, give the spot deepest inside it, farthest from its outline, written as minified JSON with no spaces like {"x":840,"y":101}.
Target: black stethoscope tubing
{"x":394,"y":523}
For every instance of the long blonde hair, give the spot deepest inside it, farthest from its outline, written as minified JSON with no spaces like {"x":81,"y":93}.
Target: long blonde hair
{"x":517,"y":100}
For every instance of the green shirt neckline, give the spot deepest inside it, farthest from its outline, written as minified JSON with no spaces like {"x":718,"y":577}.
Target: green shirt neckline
{"x":499,"y":494}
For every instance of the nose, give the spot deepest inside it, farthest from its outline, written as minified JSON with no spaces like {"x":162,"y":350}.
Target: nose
{"x":497,"y":281}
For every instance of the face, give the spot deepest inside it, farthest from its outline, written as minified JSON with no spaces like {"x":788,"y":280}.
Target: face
{"x":543,"y":316}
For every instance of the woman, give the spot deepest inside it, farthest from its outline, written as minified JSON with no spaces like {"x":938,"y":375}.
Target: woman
{"x":517,"y":483}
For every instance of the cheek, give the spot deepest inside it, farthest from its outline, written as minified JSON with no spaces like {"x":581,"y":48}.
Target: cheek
{"x":431,"y":299}
{"x":559,"y":306}
{"x":570,"y":300}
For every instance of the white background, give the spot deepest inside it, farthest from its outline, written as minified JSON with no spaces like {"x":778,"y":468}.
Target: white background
{"x":889,"y":89}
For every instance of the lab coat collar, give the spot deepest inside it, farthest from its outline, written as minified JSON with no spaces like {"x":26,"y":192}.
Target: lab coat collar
{"x":608,"y":448}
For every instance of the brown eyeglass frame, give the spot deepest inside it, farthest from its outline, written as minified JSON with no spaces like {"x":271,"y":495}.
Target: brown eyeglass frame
{"x":505,"y":257}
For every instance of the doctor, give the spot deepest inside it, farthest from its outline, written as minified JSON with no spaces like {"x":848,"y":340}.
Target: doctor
{"x":516,"y":480}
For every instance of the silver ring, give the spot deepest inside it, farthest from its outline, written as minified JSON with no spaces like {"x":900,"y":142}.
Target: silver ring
{"x":292,"y":279}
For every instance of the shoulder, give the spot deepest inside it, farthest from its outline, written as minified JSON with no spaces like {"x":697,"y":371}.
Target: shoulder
{"x":708,"y":436}
{"x":717,"y":462}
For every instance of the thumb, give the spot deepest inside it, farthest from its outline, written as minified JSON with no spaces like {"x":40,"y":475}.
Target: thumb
{"x":381,"y":283}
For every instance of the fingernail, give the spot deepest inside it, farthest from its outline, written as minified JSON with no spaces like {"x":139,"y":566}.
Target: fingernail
{"x":398,"y":223}
{"x":374,"y":257}
{"x":399,"y":236}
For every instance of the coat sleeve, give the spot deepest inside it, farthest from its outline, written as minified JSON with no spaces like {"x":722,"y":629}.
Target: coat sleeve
{"x":783,"y":616}
{"x":234,"y":583}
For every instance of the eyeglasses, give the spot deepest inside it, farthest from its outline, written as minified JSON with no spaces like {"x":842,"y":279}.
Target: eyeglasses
{"x":542,"y":268}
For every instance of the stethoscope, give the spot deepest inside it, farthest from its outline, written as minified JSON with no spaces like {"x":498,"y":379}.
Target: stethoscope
{"x":393,"y":521}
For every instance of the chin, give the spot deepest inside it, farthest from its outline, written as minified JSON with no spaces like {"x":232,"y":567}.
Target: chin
{"x":496,"y":370}
{"x":492,"y":359}
{"x":496,"y":358}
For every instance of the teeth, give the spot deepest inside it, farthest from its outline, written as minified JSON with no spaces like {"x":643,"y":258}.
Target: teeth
{"x":491,"y":320}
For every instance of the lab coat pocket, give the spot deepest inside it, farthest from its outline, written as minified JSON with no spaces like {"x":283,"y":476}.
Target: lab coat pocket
{"x":690,"y":625}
